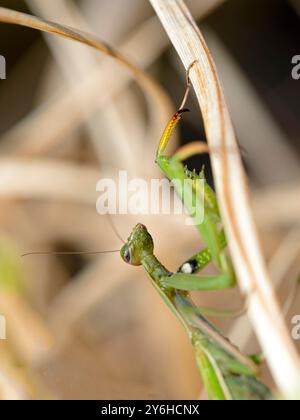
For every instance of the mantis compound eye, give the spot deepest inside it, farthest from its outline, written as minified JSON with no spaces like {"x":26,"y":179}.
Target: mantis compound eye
{"x":126,"y":255}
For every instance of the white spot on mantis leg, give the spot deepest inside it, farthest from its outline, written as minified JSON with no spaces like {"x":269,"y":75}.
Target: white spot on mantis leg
{"x":186,"y":268}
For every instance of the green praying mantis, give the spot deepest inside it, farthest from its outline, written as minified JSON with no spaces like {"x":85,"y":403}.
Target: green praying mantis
{"x":226,"y":373}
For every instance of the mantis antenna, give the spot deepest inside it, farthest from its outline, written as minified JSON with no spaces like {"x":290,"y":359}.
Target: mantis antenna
{"x":69,"y":253}
{"x":115,"y":230}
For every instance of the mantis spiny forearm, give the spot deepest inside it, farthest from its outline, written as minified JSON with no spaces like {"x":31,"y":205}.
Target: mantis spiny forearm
{"x":209,"y":229}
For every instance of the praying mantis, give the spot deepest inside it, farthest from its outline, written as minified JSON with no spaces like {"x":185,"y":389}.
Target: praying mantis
{"x":226,"y":373}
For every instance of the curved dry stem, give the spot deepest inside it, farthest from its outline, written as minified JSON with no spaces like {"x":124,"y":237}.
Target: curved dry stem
{"x":23,"y":19}
{"x":233,"y":196}
{"x":153,"y":89}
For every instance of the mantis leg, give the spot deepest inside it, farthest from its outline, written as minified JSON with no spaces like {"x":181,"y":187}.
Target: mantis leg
{"x":200,"y":260}
{"x":196,"y":263}
{"x":214,"y":239}
{"x":189,"y":282}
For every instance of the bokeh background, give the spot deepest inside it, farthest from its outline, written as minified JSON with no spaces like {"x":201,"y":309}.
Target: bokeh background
{"x":83,"y":327}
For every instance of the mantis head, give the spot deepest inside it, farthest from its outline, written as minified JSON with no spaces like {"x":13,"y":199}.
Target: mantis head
{"x":138,"y":245}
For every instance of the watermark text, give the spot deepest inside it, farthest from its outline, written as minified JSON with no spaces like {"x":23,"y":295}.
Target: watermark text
{"x":2,"y":67}
{"x":296,"y":68}
{"x":157,"y":196}
{"x":296,"y":328}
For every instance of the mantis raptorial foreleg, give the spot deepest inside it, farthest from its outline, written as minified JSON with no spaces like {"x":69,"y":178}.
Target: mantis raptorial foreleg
{"x":200,"y":260}
{"x":189,"y":282}
{"x":196,"y":263}
{"x":209,"y":229}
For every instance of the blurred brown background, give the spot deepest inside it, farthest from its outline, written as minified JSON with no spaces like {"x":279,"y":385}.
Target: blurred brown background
{"x":92,"y":327}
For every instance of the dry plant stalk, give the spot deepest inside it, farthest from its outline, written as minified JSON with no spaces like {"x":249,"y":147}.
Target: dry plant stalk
{"x":233,"y":196}
{"x":25,"y":135}
{"x":147,"y":83}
